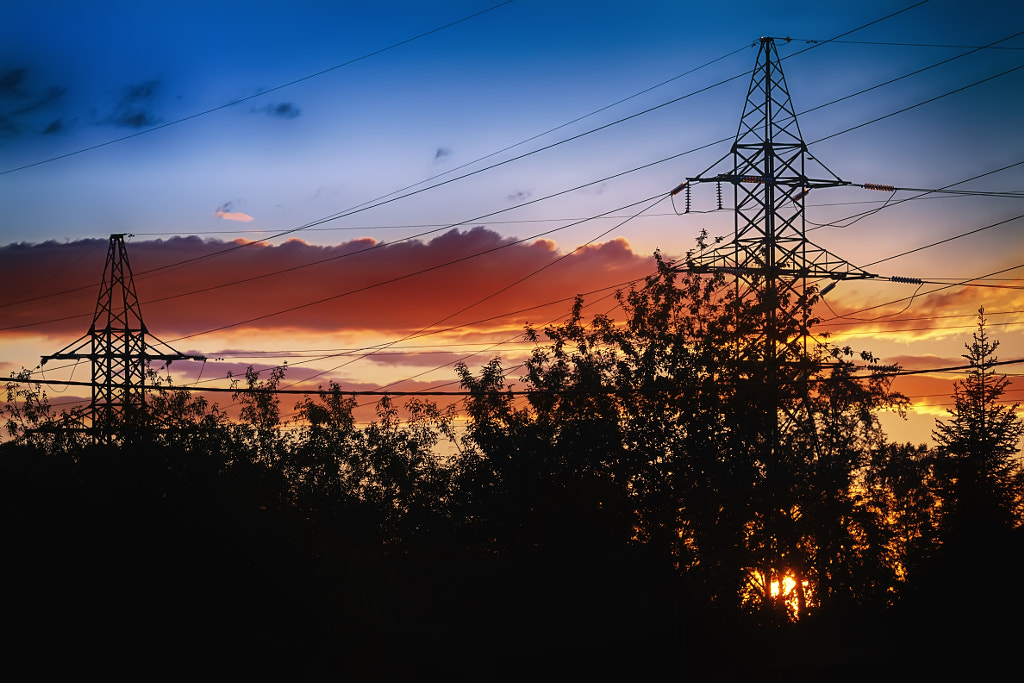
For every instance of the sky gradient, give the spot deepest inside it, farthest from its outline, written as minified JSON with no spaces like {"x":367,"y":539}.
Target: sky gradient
{"x":370,"y":147}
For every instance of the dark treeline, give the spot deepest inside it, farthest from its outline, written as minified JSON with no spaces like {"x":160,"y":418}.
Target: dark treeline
{"x":639,"y":514}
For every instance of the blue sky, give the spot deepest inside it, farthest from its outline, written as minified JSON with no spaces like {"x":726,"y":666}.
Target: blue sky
{"x":74,"y":75}
{"x":92,"y":72}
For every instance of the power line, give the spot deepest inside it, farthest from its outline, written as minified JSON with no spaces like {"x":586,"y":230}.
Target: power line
{"x":534,"y":237}
{"x":393,"y":197}
{"x":432,"y":332}
{"x":528,"y":392}
{"x":464,"y":358}
{"x":854,"y":30}
{"x":919,"y":104}
{"x":937,"y":317}
{"x":848,"y":316}
{"x":870,"y":333}
{"x":912,"y":73}
{"x":384,"y":199}
{"x":378,"y":245}
{"x":390,"y":197}
{"x":673,"y":101}
{"x":491,"y":348}
{"x":355,"y":253}
{"x":445,"y":348}
{"x":656,"y":200}
{"x":878,"y":42}
{"x":565,"y":125}
{"x":419,"y":235}
{"x":924,"y":193}
{"x":938,"y":281}
{"x":944,"y":241}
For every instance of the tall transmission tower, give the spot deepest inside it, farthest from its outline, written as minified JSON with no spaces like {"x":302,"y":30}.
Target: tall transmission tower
{"x":776,"y":271}
{"x":119,"y":349}
{"x":770,"y":257}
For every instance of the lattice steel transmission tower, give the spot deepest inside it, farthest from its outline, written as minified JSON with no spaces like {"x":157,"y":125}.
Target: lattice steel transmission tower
{"x":119,"y":349}
{"x":773,"y":262}
{"x":776,"y":271}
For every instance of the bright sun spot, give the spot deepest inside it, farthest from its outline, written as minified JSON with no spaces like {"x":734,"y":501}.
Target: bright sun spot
{"x":781,"y":591}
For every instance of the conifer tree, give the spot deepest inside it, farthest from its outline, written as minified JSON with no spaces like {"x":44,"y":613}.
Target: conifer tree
{"x":978,"y":465}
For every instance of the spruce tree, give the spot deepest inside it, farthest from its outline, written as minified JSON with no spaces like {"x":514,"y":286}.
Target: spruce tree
{"x":978,"y":461}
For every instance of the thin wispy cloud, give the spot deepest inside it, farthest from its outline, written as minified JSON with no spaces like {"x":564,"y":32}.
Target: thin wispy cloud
{"x":136,"y":108}
{"x":22,"y":103}
{"x":54,"y":127}
{"x":281,"y":110}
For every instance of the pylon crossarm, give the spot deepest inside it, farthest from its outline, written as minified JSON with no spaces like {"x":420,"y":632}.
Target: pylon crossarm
{"x":72,"y":351}
{"x":746,"y":257}
{"x":173,"y":353}
{"x":762,"y":272}
{"x":169,"y":357}
{"x":796,"y":181}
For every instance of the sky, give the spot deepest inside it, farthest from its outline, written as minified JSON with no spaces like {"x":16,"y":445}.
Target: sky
{"x":424,"y":180}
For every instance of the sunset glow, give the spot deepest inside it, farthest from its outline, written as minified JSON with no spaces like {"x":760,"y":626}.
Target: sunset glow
{"x":512,"y":340}
{"x":372,"y":244}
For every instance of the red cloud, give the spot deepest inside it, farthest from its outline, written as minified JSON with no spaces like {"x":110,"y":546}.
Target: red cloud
{"x":389,"y":289}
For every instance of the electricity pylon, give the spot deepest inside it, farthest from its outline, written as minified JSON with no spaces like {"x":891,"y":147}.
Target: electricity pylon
{"x":118,"y":349}
{"x":776,"y":271}
{"x":770,"y":257}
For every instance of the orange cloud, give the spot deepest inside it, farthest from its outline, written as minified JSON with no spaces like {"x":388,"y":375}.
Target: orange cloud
{"x":233,"y":216}
{"x":227,"y":212}
{"x":948,"y":313}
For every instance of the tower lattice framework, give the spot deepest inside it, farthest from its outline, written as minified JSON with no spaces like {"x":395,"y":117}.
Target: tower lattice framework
{"x":118,"y":345}
{"x":776,"y":270}
{"x":770,"y":257}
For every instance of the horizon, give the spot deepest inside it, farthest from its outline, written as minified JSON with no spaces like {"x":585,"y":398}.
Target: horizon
{"x":197,"y":173}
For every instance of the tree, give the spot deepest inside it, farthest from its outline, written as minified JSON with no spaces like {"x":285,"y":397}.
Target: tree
{"x":669,"y":437}
{"x":978,"y":467}
{"x":184,"y":420}
{"x":899,"y":489}
{"x":29,"y":418}
{"x":259,"y":434}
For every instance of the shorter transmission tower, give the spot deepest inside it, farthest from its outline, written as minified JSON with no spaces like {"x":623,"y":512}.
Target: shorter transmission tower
{"x":118,"y":348}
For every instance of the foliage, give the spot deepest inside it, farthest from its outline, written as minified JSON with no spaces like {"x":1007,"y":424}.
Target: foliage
{"x":662,"y":420}
{"x":697,"y":444}
{"x":260,"y":412}
{"x":899,"y":488}
{"x":716,"y":436}
{"x":30,"y":418}
{"x":181,"y":420}
{"x":981,"y":479}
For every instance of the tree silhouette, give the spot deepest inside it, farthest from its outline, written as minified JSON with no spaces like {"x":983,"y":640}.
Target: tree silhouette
{"x":655,"y":428}
{"x":639,"y":462}
{"x":899,"y":487}
{"x":30,"y":419}
{"x":980,"y":475}
{"x":956,"y":604}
